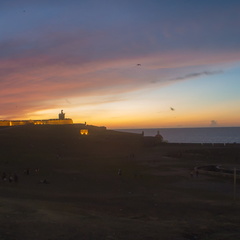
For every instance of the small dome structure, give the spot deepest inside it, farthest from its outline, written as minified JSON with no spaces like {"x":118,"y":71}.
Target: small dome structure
{"x":159,"y":137}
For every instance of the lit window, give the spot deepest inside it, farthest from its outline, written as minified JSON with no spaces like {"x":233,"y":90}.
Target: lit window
{"x":84,"y":131}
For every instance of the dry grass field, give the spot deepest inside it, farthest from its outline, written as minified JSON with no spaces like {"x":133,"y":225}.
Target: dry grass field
{"x":85,"y":198}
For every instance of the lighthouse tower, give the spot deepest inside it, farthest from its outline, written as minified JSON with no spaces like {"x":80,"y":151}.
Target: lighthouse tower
{"x":61,"y":115}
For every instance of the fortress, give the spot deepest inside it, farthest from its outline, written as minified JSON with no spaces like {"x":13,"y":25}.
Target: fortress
{"x":60,"y":121}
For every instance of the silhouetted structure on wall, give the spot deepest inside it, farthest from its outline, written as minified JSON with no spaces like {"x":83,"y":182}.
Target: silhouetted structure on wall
{"x":159,"y":137}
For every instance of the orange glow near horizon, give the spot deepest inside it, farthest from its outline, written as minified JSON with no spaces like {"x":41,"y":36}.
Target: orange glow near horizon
{"x":139,"y":113}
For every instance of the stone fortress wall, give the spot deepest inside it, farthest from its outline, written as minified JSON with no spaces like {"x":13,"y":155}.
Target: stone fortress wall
{"x":60,"y":121}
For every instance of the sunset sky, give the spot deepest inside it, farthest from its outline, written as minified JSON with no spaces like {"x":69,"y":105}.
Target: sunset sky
{"x":121,"y":64}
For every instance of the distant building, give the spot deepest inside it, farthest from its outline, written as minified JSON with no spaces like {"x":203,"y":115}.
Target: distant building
{"x":60,"y":121}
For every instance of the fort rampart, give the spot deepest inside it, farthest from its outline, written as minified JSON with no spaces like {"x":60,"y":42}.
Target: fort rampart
{"x":35,"y":122}
{"x":60,"y":121}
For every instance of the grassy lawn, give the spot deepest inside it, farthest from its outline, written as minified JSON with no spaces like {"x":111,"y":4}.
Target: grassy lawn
{"x":85,"y":198}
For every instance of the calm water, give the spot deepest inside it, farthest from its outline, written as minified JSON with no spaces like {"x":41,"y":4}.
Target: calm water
{"x":193,"y":135}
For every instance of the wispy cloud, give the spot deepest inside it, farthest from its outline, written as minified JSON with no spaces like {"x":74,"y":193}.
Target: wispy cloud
{"x":198,"y":74}
{"x":213,"y":123}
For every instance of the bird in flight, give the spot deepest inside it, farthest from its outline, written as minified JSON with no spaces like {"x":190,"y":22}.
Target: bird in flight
{"x":139,"y":64}
{"x":172,"y":109}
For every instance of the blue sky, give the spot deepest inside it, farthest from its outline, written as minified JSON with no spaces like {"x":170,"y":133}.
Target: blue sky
{"x":121,"y":63}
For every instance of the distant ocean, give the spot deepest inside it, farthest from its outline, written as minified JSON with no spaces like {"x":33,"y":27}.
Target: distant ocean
{"x":193,"y":135}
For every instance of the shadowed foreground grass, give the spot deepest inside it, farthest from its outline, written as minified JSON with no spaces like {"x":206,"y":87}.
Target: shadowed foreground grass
{"x":85,"y":198}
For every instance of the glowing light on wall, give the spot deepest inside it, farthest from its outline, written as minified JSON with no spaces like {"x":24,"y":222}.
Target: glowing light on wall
{"x":84,"y":131}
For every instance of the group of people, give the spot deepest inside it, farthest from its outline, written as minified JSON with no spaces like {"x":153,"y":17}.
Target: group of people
{"x":11,"y":177}
{"x":27,"y":171}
